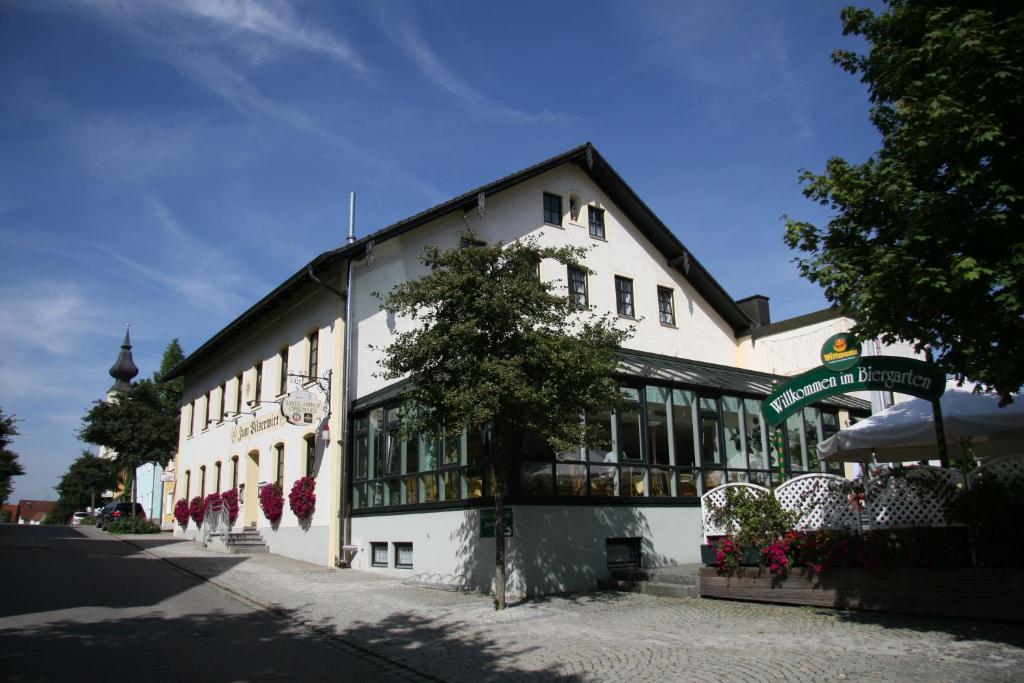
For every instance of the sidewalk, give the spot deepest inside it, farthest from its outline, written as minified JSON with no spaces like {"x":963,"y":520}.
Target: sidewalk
{"x":602,"y":636}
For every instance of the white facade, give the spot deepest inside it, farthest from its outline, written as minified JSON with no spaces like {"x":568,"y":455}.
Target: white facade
{"x":555,"y":547}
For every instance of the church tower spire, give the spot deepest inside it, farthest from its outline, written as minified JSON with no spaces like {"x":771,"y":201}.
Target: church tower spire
{"x":124,"y":371}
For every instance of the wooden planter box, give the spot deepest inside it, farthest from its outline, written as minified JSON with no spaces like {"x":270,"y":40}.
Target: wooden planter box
{"x":946,"y":591}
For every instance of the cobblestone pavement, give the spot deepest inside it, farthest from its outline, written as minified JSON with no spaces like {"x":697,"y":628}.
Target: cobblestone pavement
{"x":606,"y":636}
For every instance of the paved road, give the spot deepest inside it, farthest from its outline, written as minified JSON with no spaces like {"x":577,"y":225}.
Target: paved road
{"x":85,"y":606}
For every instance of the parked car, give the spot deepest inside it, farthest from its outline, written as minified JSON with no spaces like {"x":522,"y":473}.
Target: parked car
{"x":112,"y":511}
{"x":77,"y":518}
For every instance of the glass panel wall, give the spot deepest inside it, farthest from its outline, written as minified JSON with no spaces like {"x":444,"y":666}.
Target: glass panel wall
{"x":668,"y":443}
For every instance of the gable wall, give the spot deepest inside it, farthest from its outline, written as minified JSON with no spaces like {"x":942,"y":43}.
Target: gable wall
{"x":517,"y":212}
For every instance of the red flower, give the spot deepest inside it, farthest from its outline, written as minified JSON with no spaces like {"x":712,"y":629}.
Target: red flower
{"x":181,"y":512}
{"x":272,"y":502}
{"x":196,"y":510}
{"x":302,"y":499}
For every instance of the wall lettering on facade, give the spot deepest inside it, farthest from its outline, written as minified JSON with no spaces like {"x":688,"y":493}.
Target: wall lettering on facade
{"x":253,"y":427}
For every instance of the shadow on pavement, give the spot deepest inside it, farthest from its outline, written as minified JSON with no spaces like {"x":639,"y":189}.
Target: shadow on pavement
{"x":156,"y":647}
{"x":44,"y":569}
{"x":447,"y":651}
{"x":1008,"y":633}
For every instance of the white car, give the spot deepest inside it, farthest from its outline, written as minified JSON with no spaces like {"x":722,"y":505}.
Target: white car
{"x":77,"y":518}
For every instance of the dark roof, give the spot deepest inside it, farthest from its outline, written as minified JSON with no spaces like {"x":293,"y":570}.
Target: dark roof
{"x":700,"y":374}
{"x":124,"y":369}
{"x":590,"y":161}
{"x":653,"y":366}
{"x":797,"y":322}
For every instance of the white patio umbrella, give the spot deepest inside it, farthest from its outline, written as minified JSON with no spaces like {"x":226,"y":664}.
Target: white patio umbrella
{"x":906,"y":431}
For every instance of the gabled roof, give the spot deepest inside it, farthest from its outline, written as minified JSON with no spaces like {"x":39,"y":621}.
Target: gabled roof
{"x":589,"y":161}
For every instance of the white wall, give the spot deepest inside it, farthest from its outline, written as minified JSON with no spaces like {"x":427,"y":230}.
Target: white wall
{"x":517,"y":212}
{"x":313,"y":309}
{"x":555,"y":548}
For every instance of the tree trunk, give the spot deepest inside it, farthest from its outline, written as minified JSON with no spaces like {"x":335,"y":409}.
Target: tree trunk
{"x":498,"y":452}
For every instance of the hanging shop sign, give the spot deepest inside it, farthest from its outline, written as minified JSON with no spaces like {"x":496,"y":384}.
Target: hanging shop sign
{"x":883,"y":373}
{"x":487,"y":522}
{"x":302,"y":407}
{"x":840,"y":352}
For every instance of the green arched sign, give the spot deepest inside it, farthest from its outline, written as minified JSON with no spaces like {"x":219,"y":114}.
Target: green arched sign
{"x":886,"y":373}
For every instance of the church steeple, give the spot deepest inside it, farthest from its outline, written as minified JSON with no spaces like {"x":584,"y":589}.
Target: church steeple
{"x":124,"y":371}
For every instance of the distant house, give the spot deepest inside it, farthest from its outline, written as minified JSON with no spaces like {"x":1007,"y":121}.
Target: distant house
{"x":33,"y":511}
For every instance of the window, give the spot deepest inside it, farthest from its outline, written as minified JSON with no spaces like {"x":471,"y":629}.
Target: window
{"x":403,"y":555}
{"x":379,"y":554}
{"x":282,"y":380}
{"x":623,"y":552}
{"x":258,"y":391}
{"x":279,"y":476}
{"x":310,"y":455}
{"x":188,"y":484}
{"x":466,"y":243}
{"x":206,"y":411}
{"x":552,"y":209}
{"x":238,"y":393}
{"x":624,"y":296}
{"x":234,"y":472}
{"x":666,"y":311}
{"x":578,"y":287}
{"x":313,"y":360}
{"x":202,"y":481}
{"x":596,"y":222}
{"x":189,"y":426}
{"x":223,"y":400}
{"x":216,"y":482}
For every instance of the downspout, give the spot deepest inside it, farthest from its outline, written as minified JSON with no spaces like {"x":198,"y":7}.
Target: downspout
{"x":346,"y":382}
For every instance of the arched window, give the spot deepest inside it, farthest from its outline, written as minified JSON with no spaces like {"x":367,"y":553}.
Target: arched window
{"x":234,"y":471}
{"x":216,"y":482}
{"x":310,"y":440}
{"x":188,"y":483}
{"x":279,"y":451}
{"x":202,"y":481}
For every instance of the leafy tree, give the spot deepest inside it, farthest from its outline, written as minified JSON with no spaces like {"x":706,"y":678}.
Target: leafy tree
{"x":9,"y":465}
{"x":136,"y":424}
{"x":86,"y":478}
{"x":170,"y":391}
{"x":495,"y":346}
{"x":927,"y":239}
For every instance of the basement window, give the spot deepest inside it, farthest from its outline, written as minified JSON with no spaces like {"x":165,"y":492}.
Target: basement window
{"x":403,"y":555}
{"x":623,"y":552}
{"x":379,"y":554}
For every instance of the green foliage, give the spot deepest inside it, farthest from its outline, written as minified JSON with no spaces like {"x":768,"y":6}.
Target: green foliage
{"x":136,"y":424}
{"x":82,"y":484}
{"x":170,"y":391}
{"x":927,"y":239}
{"x":88,"y":521}
{"x":497,"y":345}
{"x":132,"y":525}
{"x":9,"y":465}
{"x":993,"y":508}
{"x":6,"y":517}
{"x":754,"y":521}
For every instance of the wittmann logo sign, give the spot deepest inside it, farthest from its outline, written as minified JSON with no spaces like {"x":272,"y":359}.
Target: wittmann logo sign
{"x":840,"y":352}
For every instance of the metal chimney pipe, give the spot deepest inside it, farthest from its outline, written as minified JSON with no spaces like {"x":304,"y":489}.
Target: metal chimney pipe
{"x":351,"y":217}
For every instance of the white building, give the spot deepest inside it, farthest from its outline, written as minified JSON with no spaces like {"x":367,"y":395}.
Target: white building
{"x":697,"y":368}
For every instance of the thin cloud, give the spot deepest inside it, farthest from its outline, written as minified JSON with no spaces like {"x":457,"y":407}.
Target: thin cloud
{"x":46,"y":316}
{"x":406,"y":36}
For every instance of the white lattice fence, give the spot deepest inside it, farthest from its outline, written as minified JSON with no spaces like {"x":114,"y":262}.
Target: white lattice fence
{"x":1004,"y":469}
{"x":822,"y":501}
{"x":715,"y":498}
{"x":913,"y":497}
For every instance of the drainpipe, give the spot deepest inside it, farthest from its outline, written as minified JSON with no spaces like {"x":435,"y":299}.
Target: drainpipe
{"x":346,"y":385}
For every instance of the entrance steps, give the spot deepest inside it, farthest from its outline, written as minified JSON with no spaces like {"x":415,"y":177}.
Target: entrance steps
{"x":246,"y":540}
{"x":677,"y":581}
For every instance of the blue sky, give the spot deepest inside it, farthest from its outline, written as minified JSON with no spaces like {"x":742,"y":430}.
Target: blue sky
{"x":169,"y":162}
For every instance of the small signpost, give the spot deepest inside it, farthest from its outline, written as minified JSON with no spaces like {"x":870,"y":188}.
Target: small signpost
{"x":300,"y":407}
{"x":487,"y":522}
